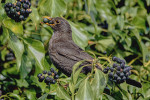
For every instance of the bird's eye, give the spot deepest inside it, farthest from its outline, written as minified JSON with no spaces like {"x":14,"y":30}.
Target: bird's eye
{"x":57,"y":21}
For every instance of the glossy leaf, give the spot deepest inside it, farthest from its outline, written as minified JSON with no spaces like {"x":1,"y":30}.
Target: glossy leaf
{"x":37,"y":50}
{"x":62,"y":93}
{"x":79,"y":36}
{"x":17,"y":46}
{"x":25,"y":67}
{"x":85,"y":91}
{"x":53,"y":7}
{"x":98,"y":84}
{"x":16,"y":28}
{"x":43,"y":97}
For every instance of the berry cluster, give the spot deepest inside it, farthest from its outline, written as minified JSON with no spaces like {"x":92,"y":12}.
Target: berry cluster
{"x":18,"y":11}
{"x":118,"y":73}
{"x":49,"y":77}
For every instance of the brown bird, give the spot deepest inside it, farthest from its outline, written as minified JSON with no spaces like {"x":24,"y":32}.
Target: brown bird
{"x":64,"y":53}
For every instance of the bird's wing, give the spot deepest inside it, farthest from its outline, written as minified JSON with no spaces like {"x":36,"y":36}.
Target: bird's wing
{"x":70,"y":50}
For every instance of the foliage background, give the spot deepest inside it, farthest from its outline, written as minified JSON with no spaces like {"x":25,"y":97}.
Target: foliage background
{"x":104,"y":27}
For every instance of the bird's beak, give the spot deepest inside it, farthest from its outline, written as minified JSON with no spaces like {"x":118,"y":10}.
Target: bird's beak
{"x":49,"y":22}
{"x":49,"y":18}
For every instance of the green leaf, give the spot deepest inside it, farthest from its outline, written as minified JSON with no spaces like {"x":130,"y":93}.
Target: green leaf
{"x":79,"y":35}
{"x":5,"y":36}
{"x":43,"y":97}
{"x":17,"y":46}
{"x":15,"y":27}
{"x":76,"y":71}
{"x":143,"y":48}
{"x":31,"y":95}
{"x":120,"y":20}
{"x":37,"y":50}
{"x":53,"y":7}
{"x":16,"y":96}
{"x":98,"y":84}
{"x":139,"y":23}
{"x":85,"y":91}
{"x":62,"y":93}
{"x":148,"y":19}
{"x":25,"y":67}
{"x":35,"y":16}
{"x":105,"y":44}
{"x":2,"y":16}
{"x":22,"y":83}
{"x":109,"y":97}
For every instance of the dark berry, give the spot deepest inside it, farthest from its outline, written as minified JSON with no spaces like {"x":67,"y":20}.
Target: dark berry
{"x":118,"y":79}
{"x":122,"y":65}
{"x":21,"y":17}
{"x":115,"y":81}
{"x":25,"y":6}
{"x":111,"y":69}
{"x":115,"y":65}
{"x":47,"y":79}
{"x":115,"y":76}
{"x":29,"y":4}
{"x":41,"y":78}
{"x":39,"y":75}
{"x":44,"y":72}
{"x":17,"y":14}
{"x":124,"y":78}
{"x":105,"y":52}
{"x":121,"y":74}
{"x":28,"y":10}
{"x":45,"y":20}
{"x":51,"y":79}
{"x":22,"y":1}
{"x":118,"y":68}
{"x":52,"y":70}
{"x":22,"y":11}
{"x":56,"y":76}
{"x":26,"y":1}
{"x":122,"y":61}
{"x":18,"y":4}
{"x":105,"y":71}
{"x":107,"y":68}
{"x":119,"y":60}
{"x":9,"y":5}
{"x":17,"y":8}
{"x":110,"y":74}
{"x":13,"y":5}
{"x":6,"y":5}
{"x":12,"y":11}
{"x":118,"y":73}
{"x":114,"y":58}
{"x":49,"y":73}
{"x":55,"y":72}
{"x":7,"y":9}
{"x":129,"y":73}
{"x":125,"y":70}
{"x":53,"y":82}
{"x":8,"y":13}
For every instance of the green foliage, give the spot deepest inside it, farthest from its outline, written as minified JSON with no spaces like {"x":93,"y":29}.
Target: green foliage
{"x":118,"y":27}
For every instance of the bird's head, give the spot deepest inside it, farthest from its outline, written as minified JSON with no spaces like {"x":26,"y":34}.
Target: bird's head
{"x":57,"y":24}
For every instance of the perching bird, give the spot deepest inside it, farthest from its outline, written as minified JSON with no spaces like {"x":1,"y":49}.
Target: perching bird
{"x":64,"y":53}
